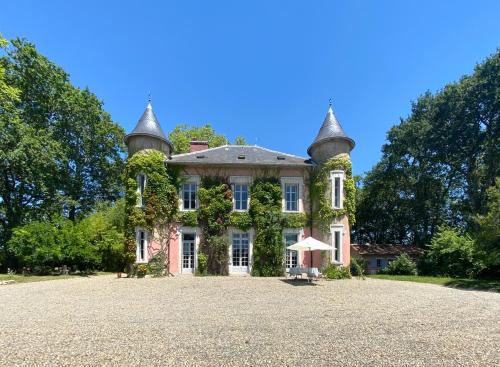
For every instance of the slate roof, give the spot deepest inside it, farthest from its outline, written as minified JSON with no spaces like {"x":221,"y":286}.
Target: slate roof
{"x":148,"y":125}
{"x":251,"y":155}
{"x":386,"y":250}
{"x":331,"y":129}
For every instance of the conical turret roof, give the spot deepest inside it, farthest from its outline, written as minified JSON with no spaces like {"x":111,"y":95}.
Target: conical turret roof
{"x":148,"y":125}
{"x":330,"y":130}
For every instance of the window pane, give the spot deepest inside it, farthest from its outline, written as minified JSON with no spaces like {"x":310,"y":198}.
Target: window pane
{"x":337,"y":192}
{"x":291,"y":197}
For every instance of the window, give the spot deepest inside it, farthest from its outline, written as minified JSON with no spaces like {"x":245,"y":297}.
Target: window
{"x":240,"y":196}
{"x":188,"y":252}
{"x":291,"y":257}
{"x":240,"y":245}
{"x":141,"y":254}
{"x":292,"y":197}
{"x":379,"y":263}
{"x":189,"y":196}
{"x":337,"y":242}
{"x":141,"y":186}
{"x":337,"y":178}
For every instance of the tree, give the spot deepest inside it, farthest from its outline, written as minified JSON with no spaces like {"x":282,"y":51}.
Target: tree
{"x":182,"y":134}
{"x":240,"y":140}
{"x":60,"y":152}
{"x":437,"y":163}
{"x":488,"y":235}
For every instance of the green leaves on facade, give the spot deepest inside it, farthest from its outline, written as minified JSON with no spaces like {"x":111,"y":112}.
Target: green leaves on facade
{"x":321,"y":191}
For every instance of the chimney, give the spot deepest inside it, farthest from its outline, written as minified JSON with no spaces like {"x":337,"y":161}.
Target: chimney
{"x":196,"y":146}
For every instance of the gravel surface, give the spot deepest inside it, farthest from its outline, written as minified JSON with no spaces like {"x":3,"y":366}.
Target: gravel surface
{"x":242,"y":321}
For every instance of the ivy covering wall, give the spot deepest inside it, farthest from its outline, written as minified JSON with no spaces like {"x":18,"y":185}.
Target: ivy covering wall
{"x":215,"y":202}
{"x":159,"y":211}
{"x":321,"y":192}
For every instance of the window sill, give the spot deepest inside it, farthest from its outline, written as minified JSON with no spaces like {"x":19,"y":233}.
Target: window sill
{"x":240,"y":210}
{"x":292,"y":211}
{"x":141,"y":262}
{"x":188,"y":210}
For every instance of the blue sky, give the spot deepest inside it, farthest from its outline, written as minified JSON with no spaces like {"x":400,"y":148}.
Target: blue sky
{"x":262,"y":69}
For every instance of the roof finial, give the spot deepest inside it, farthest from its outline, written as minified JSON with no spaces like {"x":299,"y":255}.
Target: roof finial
{"x":149,"y":97}
{"x":330,"y":102}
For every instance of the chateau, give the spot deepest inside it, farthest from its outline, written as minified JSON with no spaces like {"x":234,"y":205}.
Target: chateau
{"x":240,"y":166}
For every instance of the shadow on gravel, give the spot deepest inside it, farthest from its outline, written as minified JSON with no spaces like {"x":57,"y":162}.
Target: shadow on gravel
{"x":299,"y":282}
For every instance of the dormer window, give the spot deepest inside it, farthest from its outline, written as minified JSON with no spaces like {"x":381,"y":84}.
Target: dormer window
{"x":337,"y":178}
{"x":141,"y":187}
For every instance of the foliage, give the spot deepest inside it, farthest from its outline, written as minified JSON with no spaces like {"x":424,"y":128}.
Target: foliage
{"x":240,"y":220}
{"x":437,"y":164}
{"x":93,"y":243}
{"x":358,"y":266}
{"x":240,"y":140}
{"x":321,"y":191}
{"x":336,"y":272}
{"x":182,"y":134}
{"x":189,"y":218}
{"x":265,"y":210}
{"x":216,"y":204}
{"x":488,"y":234}
{"x":294,"y":220}
{"x":156,"y":266}
{"x":142,"y":270}
{"x":202,"y":264}
{"x":160,"y":212}
{"x":452,"y":254}
{"x":401,"y":265}
{"x":60,"y":152}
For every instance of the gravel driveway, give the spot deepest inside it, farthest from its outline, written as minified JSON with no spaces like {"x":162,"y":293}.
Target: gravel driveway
{"x":234,"y":321}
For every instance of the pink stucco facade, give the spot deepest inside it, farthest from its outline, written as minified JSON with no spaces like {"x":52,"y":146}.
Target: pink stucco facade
{"x":240,"y":170}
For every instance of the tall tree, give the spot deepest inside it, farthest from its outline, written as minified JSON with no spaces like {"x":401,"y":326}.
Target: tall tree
{"x":182,"y":134}
{"x":60,"y":152}
{"x":437,"y":163}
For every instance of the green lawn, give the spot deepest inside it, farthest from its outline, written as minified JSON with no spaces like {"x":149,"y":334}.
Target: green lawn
{"x":483,"y":284}
{"x":41,"y":278}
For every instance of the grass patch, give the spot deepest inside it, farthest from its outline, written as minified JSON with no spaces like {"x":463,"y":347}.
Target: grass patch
{"x":464,"y":283}
{"x":41,"y":278}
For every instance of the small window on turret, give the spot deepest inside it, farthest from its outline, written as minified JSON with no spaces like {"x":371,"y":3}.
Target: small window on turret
{"x":141,"y":187}
{"x":337,"y":178}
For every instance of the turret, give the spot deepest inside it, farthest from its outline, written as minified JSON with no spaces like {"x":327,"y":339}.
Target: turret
{"x":330,"y":150}
{"x":147,"y":134}
{"x":331,"y":140}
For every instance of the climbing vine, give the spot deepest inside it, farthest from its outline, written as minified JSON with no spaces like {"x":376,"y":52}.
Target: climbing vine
{"x":159,"y":210}
{"x":215,"y":198}
{"x":267,"y":218}
{"x":321,"y":191}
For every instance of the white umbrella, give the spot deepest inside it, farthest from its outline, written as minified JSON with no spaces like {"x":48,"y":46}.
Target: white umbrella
{"x":310,"y":244}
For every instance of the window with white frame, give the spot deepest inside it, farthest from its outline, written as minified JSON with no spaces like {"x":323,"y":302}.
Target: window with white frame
{"x":291,"y":197}
{"x":240,"y":196}
{"x":337,"y":242}
{"x":292,"y":188}
{"x":337,"y":178}
{"x":141,"y":187}
{"x":291,"y":256}
{"x":189,"y":195}
{"x":142,"y":246}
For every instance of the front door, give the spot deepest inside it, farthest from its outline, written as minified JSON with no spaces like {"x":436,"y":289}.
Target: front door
{"x":291,"y":257}
{"x":188,"y":252}
{"x":240,"y":253}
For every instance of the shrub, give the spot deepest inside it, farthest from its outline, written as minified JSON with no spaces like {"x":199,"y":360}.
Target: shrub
{"x":401,"y":265}
{"x":142,"y":270}
{"x":358,"y":266}
{"x":156,"y":266}
{"x":336,"y":272}
{"x":189,"y":218}
{"x":240,"y":220}
{"x":452,"y":254}
{"x":202,"y":264}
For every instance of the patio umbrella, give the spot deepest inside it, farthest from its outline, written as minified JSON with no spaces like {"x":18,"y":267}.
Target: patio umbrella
{"x":310,"y":244}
